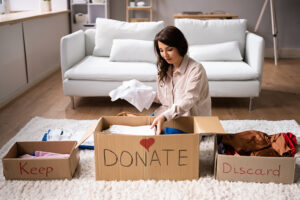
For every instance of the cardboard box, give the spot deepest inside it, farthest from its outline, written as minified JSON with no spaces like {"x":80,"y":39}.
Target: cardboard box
{"x":41,"y":168}
{"x":172,"y":157}
{"x":254,"y":168}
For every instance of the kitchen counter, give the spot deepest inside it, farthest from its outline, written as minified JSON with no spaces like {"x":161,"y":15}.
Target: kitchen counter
{"x":13,"y":18}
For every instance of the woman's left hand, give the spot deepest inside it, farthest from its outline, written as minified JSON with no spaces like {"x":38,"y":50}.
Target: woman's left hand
{"x":158,"y":122}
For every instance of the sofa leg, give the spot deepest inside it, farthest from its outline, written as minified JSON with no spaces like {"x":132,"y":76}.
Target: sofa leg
{"x":73,"y":101}
{"x":251,"y":103}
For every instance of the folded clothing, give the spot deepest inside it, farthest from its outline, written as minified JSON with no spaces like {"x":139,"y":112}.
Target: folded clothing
{"x":131,"y":130}
{"x":140,"y":130}
{"x":44,"y":154}
{"x":168,"y":131}
{"x":256,"y":143}
{"x":69,"y":135}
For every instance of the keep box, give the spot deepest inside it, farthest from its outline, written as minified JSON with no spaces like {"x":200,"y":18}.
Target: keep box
{"x":41,"y":168}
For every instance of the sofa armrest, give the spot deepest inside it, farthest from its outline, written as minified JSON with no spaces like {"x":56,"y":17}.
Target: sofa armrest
{"x":254,"y":52}
{"x":72,"y":50}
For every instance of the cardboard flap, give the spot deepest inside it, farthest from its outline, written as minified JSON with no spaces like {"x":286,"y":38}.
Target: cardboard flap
{"x":208,"y":125}
{"x":89,"y":132}
{"x":297,"y":154}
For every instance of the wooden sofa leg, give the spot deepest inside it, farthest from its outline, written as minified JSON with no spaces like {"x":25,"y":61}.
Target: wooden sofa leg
{"x":251,"y":103}
{"x":73,"y":101}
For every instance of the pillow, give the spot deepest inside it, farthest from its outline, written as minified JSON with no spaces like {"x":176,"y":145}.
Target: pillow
{"x":213,"y":31}
{"x":108,"y":29}
{"x":227,"y":51}
{"x":129,"y":50}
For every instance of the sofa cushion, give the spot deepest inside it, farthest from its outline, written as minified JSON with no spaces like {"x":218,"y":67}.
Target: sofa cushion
{"x":101,"y":69}
{"x":229,"y":71}
{"x":108,"y":29}
{"x":225,"y":51}
{"x":213,"y":31}
{"x":129,"y":50}
{"x":89,"y":41}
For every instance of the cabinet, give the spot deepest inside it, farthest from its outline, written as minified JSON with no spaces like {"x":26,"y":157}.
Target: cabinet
{"x":84,"y":13}
{"x":42,"y":45}
{"x":132,"y":7}
{"x":30,"y":49}
{"x":12,"y":61}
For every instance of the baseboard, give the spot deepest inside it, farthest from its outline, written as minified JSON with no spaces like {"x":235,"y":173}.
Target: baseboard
{"x":283,"y":53}
{"x":25,"y":88}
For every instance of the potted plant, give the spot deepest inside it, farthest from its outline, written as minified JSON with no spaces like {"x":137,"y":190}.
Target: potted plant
{"x":45,"y":5}
{"x":131,"y":3}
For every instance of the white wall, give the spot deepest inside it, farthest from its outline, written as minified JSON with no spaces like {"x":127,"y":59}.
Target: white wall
{"x":23,"y":5}
{"x":26,"y":5}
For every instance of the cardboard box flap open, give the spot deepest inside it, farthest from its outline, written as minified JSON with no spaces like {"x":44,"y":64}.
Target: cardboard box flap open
{"x":28,"y":147}
{"x":297,"y":154}
{"x":89,"y":132}
{"x":199,"y":124}
{"x":208,"y":125}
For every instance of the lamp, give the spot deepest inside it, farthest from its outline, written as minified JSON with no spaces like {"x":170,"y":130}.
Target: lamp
{"x":274,"y":26}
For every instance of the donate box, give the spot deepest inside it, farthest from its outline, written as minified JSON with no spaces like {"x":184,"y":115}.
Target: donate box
{"x":41,"y":168}
{"x":254,"y":168}
{"x":171,"y":157}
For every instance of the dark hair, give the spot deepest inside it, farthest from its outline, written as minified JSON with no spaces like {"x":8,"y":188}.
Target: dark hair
{"x":172,"y":37}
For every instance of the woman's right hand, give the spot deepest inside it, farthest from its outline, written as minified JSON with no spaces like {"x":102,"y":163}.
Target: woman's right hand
{"x":158,"y":122}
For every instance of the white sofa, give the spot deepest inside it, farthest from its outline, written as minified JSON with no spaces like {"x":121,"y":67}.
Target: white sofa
{"x":87,"y":69}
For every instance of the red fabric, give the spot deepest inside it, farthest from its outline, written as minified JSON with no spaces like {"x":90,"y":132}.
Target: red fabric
{"x":290,"y":139}
{"x":293,"y":138}
{"x":229,"y":150}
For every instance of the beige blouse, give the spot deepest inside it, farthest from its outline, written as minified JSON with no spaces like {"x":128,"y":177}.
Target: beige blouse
{"x":184,"y":92}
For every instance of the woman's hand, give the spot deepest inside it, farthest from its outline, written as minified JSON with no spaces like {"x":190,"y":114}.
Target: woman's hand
{"x":158,"y":122}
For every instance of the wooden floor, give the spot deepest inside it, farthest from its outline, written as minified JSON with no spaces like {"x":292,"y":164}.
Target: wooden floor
{"x":279,"y":100}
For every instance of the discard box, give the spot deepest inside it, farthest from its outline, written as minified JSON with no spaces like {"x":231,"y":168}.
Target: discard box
{"x":41,"y":168}
{"x":172,"y":157}
{"x":254,"y":168}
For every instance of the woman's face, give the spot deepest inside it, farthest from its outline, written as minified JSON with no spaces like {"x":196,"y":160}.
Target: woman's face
{"x":170,"y":54}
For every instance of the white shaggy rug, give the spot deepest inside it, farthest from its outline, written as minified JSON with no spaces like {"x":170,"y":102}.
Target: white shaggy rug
{"x":84,"y":186}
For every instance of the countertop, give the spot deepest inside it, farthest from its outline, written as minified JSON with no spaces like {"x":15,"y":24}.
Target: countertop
{"x":13,"y":18}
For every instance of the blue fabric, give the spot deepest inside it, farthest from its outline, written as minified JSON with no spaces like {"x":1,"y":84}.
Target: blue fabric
{"x":45,"y":136}
{"x":168,"y":131}
{"x":86,"y":147}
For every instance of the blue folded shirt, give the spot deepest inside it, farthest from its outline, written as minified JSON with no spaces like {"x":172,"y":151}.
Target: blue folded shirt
{"x":168,"y":131}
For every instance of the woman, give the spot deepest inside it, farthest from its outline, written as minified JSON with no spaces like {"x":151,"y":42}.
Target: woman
{"x":182,"y":86}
